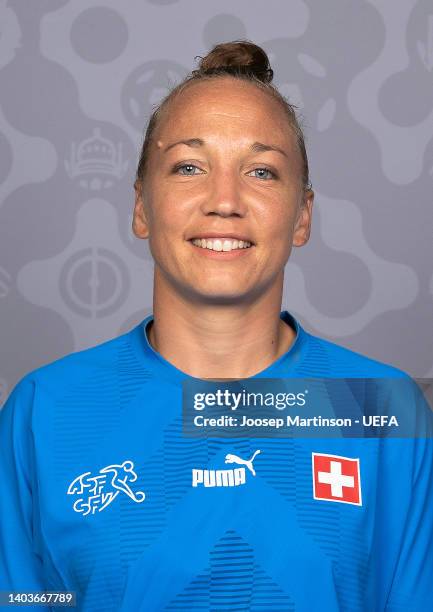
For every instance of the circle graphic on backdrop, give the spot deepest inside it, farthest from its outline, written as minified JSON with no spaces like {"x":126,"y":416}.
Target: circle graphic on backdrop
{"x":162,"y":2}
{"x":94,"y":282}
{"x":405,"y":97}
{"x":99,"y":35}
{"x":10,"y":34}
{"x":223,"y":28}
{"x":146,"y":86}
{"x":5,"y":157}
{"x":5,"y":282}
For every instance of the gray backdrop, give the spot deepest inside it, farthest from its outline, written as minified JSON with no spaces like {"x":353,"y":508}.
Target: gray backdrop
{"x":77,"y":81}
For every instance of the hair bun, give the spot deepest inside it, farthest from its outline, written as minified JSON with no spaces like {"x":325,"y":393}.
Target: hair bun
{"x":237,"y":57}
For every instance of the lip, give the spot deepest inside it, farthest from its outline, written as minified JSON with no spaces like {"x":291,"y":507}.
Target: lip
{"x":220,"y":235}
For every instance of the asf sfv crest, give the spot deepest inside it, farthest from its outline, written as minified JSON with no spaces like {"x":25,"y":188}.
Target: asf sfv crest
{"x":96,"y":491}
{"x":225,"y":478}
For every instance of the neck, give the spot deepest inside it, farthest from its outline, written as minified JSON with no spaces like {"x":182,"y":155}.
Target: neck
{"x":207,"y":340}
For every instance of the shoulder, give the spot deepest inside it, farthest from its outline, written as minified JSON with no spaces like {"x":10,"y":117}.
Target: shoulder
{"x":73,"y":369}
{"x":341,"y":361}
{"x":70,"y":384}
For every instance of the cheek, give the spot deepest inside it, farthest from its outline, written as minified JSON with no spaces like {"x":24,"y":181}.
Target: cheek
{"x":162,"y":213}
{"x":167,"y":229}
{"x":279,"y":221}
{"x":279,"y":234}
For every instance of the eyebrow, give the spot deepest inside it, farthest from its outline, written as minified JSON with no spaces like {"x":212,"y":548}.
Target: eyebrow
{"x":256,"y":147}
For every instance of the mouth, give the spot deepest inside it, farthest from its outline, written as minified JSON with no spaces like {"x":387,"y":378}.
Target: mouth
{"x":219,"y":245}
{"x":221,"y":249}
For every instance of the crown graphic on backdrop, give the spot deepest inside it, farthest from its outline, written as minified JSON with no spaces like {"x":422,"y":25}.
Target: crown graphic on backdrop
{"x":96,"y":159}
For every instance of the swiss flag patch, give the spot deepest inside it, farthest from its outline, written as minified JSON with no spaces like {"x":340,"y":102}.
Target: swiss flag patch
{"x":336,"y":478}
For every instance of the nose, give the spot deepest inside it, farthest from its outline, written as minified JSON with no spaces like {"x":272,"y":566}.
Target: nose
{"x":225,"y":196}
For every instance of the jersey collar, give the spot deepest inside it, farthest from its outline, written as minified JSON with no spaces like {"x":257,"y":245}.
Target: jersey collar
{"x":158,"y":366}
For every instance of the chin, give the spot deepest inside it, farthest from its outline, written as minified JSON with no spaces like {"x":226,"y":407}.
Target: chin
{"x":219,"y":298}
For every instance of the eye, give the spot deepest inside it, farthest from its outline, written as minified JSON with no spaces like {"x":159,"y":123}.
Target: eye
{"x":263,"y":172}
{"x":188,"y":167}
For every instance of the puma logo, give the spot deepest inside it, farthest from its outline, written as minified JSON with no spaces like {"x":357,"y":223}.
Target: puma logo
{"x":248,"y":462}
{"x":225,"y":478}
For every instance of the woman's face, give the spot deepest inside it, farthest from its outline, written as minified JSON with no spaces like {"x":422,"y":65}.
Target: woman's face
{"x":207,"y":175}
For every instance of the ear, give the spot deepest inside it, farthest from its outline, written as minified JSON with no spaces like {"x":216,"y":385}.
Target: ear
{"x":303,"y":222}
{"x":140,"y":225}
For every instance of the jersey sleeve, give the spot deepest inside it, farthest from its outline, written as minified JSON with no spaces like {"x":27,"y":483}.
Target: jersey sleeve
{"x":20,"y":566}
{"x":412,"y":586}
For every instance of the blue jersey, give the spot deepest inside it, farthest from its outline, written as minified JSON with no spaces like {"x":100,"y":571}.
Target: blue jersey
{"x":102,"y":494}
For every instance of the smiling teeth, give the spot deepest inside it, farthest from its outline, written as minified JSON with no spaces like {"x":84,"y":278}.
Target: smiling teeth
{"x":221,"y":245}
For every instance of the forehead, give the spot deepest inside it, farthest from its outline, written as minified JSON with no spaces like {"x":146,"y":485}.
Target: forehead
{"x":228,"y":103}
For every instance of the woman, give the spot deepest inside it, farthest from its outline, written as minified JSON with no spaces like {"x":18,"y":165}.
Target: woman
{"x":103,"y":494}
